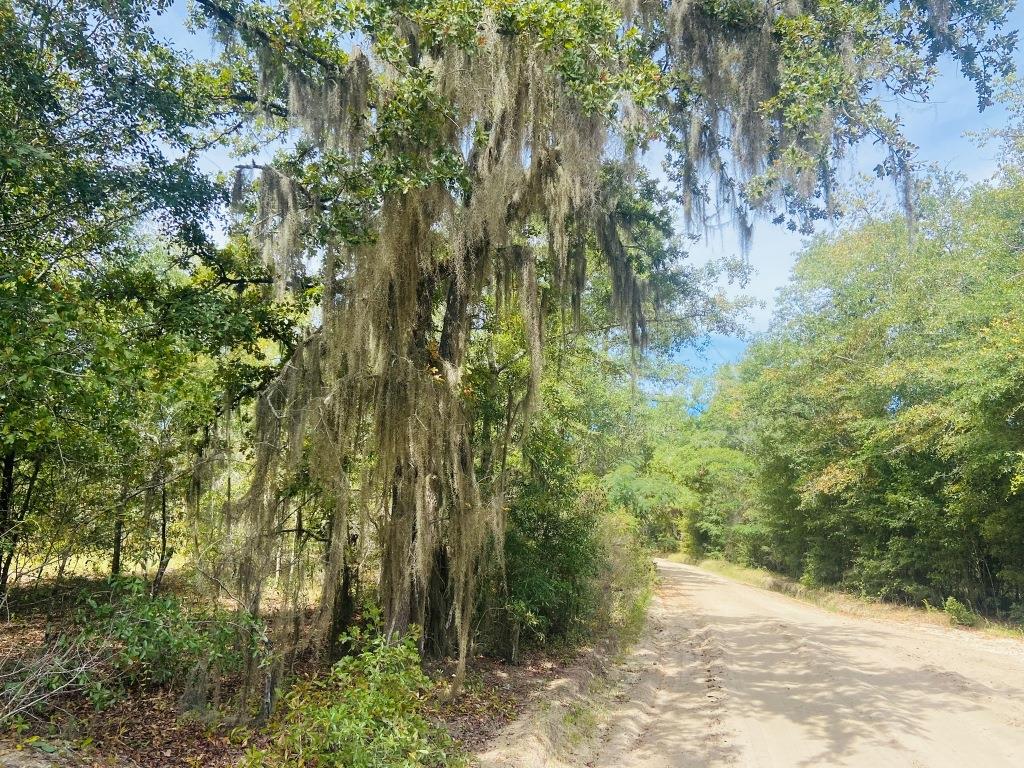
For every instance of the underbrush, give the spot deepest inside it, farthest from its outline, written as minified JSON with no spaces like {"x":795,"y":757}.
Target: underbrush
{"x":960,"y":614}
{"x":576,"y":571}
{"x":577,"y":574}
{"x":123,"y":660}
{"x":368,"y":711}
{"x":156,"y":640}
{"x":627,"y":578}
{"x":119,"y":638}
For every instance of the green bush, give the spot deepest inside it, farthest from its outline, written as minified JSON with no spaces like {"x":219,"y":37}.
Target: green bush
{"x":627,"y":575}
{"x":574,"y":567}
{"x":156,"y":640}
{"x":552,"y":556}
{"x":959,"y":613}
{"x":120,"y":638}
{"x":367,"y":712}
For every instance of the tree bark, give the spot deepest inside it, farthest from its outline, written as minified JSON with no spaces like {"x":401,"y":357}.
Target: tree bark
{"x":6,"y":510}
{"x":438,"y":638}
{"x":395,"y":577}
{"x":115,"y":559}
{"x":343,"y":612}
{"x":7,"y":492}
{"x":11,"y":535}
{"x":165,"y":552}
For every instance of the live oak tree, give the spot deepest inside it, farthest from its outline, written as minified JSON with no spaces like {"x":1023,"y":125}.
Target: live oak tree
{"x":440,"y":163}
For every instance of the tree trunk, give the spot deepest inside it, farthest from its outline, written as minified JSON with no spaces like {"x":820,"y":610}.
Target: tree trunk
{"x":343,"y":612}
{"x":6,"y":497}
{"x":6,"y":514}
{"x":165,"y":552}
{"x":438,"y":637}
{"x":118,"y":543}
{"x":115,"y":560}
{"x":396,"y":588}
{"x":13,"y":523}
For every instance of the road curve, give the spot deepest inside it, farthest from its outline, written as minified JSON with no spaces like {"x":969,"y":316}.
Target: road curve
{"x":731,"y":675}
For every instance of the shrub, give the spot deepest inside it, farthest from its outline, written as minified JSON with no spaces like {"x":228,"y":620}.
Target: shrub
{"x":552,"y":552}
{"x":627,"y":575}
{"x":574,"y":566}
{"x":29,"y":683}
{"x":157,"y":640}
{"x":368,"y":711}
{"x":552,"y":558}
{"x":959,"y":613}
{"x":120,"y":638}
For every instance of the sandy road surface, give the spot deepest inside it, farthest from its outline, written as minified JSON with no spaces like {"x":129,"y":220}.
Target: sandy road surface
{"x":731,"y":675}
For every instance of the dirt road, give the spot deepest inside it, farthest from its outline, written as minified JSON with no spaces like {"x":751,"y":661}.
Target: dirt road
{"x":731,"y":675}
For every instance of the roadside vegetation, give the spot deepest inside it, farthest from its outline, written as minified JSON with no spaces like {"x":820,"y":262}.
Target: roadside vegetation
{"x":870,"y":441}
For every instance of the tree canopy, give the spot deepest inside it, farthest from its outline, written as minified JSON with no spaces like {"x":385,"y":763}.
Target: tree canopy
{"x":873,"y":433}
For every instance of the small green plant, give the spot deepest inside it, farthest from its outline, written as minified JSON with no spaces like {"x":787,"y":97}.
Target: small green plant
{"x":155,"y":640}
{"x":959,"y":613}
{"x":368,"y":711}
{"x":18,"y":725}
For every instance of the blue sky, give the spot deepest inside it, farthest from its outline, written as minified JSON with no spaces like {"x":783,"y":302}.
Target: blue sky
{"x":938,"y":127}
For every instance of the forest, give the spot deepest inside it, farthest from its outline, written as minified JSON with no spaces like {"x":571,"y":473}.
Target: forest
{"x":871,"y":439}
{"x":340,"y":357}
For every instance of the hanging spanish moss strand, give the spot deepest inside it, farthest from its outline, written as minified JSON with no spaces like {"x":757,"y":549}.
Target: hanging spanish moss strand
{"x":371,"y":404}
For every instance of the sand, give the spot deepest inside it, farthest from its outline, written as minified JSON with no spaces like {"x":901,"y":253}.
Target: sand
{"x":727,"y":674}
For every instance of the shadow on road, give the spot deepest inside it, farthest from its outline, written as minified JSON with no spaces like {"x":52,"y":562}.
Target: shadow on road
{"x":726,"y":670}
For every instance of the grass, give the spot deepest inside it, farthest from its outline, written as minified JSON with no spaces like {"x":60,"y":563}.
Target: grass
{"x":844,"y":602}
{"x":581,"y":719}
{"x":633,"y":615}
